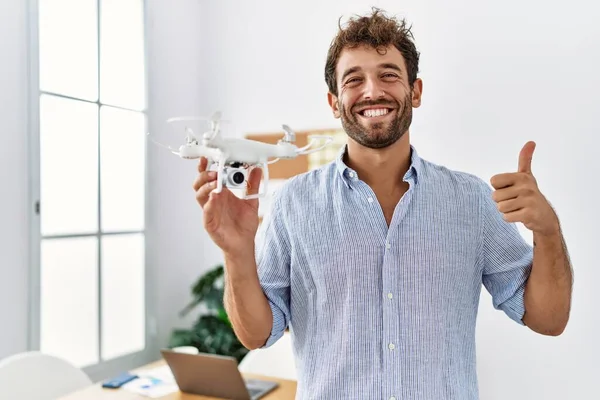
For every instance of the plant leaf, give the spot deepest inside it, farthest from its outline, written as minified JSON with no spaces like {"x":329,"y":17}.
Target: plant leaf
{"x":203,"y":288}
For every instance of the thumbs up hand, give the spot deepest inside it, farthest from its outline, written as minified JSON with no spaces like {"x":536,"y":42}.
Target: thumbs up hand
{"x":520,"y":200}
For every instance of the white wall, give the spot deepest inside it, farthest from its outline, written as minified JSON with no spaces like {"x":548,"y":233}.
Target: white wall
{"x":13,"y":178}
{"x":495,"y":75}
{"x":179,"y":250}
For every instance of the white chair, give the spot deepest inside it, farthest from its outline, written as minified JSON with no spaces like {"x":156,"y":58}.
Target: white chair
{"x":276,"y":361}
{"x":37,"y":376}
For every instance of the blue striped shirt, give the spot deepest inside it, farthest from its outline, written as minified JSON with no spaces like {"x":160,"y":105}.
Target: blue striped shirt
{"x":387,"y":313}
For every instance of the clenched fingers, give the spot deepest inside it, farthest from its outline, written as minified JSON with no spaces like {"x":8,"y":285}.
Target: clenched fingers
{"x":508,"y":193}
{"x":508,"y":206}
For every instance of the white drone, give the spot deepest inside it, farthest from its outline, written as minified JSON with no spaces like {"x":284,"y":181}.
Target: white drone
{"x":235,"y":156}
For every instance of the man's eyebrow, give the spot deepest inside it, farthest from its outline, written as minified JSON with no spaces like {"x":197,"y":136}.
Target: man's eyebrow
{"x":390,"y":66}
{"x":382,"y":66}
{"x":350,"y":71}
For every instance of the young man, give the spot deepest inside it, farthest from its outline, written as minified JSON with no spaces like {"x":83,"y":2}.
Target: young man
{"x":376,"y":260}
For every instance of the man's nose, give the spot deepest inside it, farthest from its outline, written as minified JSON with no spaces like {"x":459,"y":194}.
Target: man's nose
{"x":373,"y":90}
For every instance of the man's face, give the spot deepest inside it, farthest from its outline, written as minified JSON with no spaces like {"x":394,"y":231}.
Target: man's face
{"x":374,"y":99}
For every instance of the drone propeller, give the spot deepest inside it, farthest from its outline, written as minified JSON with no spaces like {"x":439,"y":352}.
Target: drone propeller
{"x":313,"y":139}
{"x":174,"y":151}
{"x":215,"y":117}
{"x":191,"y":150}
{"x":214,"y":120}
{"x":190,"y":138}
{"x":289,"y":134}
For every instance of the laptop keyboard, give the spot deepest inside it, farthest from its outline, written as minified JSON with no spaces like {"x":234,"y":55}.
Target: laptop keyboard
{"x":254,"y":392}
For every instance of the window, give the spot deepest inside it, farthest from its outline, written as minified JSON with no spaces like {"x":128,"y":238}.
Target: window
{"x":330,"y":152}
{"x":88,"y":182}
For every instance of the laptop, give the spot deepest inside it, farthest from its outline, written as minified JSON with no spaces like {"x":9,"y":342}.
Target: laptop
{"x":214,"y":375}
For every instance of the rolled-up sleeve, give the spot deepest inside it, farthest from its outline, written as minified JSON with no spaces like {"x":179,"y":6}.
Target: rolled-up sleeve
{"x":273,"y":262}
{"x":507,"y":260}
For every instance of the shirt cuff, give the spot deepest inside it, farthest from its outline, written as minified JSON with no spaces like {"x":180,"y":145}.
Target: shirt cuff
{"x":515,"y":306}
{"x":279,"y":325}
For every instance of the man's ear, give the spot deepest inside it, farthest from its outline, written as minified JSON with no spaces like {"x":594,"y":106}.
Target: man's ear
{"x":417,"y":93}
{"x":333,"y":103}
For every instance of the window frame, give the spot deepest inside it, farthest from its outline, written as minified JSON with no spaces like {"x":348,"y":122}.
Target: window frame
{"x":104,"y":368}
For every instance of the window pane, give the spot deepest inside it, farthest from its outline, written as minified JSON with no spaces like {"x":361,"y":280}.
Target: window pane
{"x":68,"y":166}
{"x":68,"y":47}
{"x":122,"y":73}
{"x":320,"y":158}
{"x":123,"y":165}
{"x":123,"y":298}
{"x":69,"y":299}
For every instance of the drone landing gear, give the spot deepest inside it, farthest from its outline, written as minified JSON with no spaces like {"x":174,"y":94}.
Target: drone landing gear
{"x":265,"y":168}
{"x":222,"y":161}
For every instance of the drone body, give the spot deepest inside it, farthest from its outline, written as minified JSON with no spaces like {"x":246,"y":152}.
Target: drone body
{"x":241,"y":150}
{"x":234,"y":157}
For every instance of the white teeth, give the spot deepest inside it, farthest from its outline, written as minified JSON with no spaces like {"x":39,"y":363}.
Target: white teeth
{"x":375,"y":112}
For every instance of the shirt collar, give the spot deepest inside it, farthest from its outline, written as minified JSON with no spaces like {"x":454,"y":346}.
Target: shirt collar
{"x":348,"y":174}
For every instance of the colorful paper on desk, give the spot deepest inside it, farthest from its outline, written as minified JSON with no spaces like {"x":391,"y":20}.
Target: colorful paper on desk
{"x":153,"y":383}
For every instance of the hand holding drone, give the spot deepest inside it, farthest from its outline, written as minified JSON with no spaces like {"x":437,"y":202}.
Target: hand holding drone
{"x":233,"y":157}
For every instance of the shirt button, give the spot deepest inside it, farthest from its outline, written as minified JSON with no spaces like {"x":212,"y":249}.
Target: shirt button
{"x":392,"y":398}
{"x":388,"y":245}
{"x":370,"y":199}
{"x":351,"y":174}
{"x":391,"y":346}
{"x":389,"y":295}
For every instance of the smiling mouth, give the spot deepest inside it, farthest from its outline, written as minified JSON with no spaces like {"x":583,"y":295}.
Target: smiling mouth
{"x":375,"y":112}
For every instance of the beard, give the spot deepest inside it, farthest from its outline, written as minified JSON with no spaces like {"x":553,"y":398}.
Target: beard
{"x":381,"y":134}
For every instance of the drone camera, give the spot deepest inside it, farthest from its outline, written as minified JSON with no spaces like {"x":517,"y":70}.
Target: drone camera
{"x":235,"y":177}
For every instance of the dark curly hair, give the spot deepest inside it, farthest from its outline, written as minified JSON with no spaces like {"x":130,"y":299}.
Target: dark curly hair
{"x":378,"y":31}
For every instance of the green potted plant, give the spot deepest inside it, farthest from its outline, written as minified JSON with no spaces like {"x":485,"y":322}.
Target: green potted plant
{"x":212,"y":332}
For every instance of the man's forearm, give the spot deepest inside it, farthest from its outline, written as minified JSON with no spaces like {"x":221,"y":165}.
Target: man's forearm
{"x":548,"y":290}
{"x":246,"y":304}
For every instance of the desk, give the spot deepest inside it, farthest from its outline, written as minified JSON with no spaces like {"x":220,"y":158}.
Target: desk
{"x":285,"y":391}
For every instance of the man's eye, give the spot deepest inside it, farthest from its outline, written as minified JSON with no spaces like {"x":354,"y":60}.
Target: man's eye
{"x":352,"y":81}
